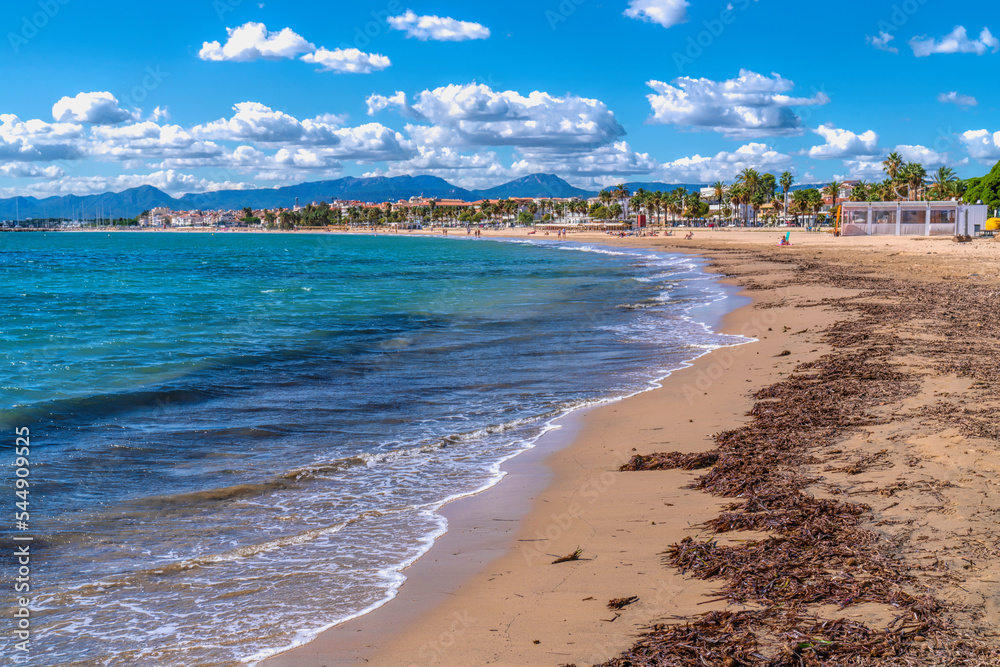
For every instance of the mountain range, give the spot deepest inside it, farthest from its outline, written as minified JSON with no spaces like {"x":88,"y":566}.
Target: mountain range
{"x":134,"y":201}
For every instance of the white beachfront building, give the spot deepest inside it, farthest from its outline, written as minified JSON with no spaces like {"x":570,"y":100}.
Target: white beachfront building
{"x":912,"y":218}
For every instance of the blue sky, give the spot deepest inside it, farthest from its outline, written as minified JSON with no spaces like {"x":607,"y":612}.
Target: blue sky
{"x":197,"y":95}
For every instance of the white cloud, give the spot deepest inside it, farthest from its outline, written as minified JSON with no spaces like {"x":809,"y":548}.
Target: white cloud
{"x":352,"y":61}
{"x":843,"y":143}
{"x":169,"y":181}
{"x":923,"y":155}
{"x":372,"y":142}
{"x":92,"y":108}
{"x":467,"y":170}
{"x":377,"y":103}
{"x":148,"y":140}
{"x":22,"y":170}
{"x":253,"y":41}
{"x":474,"y":115}
{"x":957,"y":41}
{"x":881,"y":42}
{"x":982,"y":145}
{"x":751,"y":105}
{"x":437,"y":28}
{"x":955,"y":98}
{"x":37,"y":141}
{"x":617,"y":159}
{"x":864,"y":170}
{"x":667,"y":13}
{"x":725,"y":166}
{"x":257,"y":123}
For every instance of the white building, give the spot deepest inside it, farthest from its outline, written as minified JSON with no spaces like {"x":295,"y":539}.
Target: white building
{"x":912,"y":218}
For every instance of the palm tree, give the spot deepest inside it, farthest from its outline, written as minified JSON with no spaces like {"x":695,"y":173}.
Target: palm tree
{"x":860,"y":192}
{"x":786,"y":182}
{"x":892,"y":165}
{"x":779,"y":206}
{"x":833,"y":191}
{"x":751,"y":182}
{"x":941,"y":181}
{"x":955,"y":189}
{"x":605,"y":197}
{"x":660,"y":205}
{"x":718,"y":189}
{"x":622,"y":194}
{"x":913,"y":175}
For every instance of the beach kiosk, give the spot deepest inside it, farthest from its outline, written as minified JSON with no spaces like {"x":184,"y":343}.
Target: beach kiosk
{"x":912,"y":218}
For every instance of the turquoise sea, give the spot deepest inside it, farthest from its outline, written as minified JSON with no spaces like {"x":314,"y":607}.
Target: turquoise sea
{"x":241,"y":439}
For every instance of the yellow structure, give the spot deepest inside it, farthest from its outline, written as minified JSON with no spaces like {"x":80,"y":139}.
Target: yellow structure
{"x":993,"y":225}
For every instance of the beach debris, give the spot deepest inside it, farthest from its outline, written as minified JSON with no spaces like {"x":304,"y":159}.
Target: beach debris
{"x":675,"y":460}
{"x":784,"y":353}
{"x":821,"y":551}
{"x":571,"y":557}
{"x":621,"y":603}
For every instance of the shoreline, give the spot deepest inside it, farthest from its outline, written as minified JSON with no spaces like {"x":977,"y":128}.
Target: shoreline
{"x":519,"y":610}
{"x":484,"y":527}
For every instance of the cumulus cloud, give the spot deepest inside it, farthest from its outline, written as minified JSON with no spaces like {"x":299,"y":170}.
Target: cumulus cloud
{"x":881,"y":42}
{"x":353,"y":61}
{"x":92,"y":108}
{"x":169,"y":181}
{"x":843,"y":143}
{"x":751,"y":105}
{"x":925,"y":156}
{"x":667,"y":13}
{"x":615,"y":160}
{"x":957,"y":41}
{"x":724,"y":166}
{"x":474,"y":115}
{"x":22,"y":170}
{"x":982,"y":145}
{"x":37,"y":141}
{"x":378,"y":103}
{"x":468,"y":170}
{"x":955,"y":98}
{"x":253,"y":41}
{"x":437,"y":28}
{"x":149,"y":140}
{"x":863,"y":170}
{"x":259,"y":123}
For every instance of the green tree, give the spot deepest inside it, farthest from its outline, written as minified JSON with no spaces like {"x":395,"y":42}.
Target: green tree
{"x":833,"y":192}
{"x":941,"y":181}
{"x":913,"y":175}
{"x":892,"y":165}
{"x":985,"y":188}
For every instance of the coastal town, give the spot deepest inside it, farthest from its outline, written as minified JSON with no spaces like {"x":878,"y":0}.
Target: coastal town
{"x":754,"y":199}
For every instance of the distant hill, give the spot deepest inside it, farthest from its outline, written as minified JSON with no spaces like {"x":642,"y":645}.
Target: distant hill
{"x":134,"y":201}
{"x":535,"y":185}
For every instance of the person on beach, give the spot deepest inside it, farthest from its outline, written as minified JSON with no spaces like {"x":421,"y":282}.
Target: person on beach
{"x":690,"y":235}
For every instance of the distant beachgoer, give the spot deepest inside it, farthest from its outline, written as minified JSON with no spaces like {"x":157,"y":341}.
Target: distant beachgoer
{"x":690,"y":235}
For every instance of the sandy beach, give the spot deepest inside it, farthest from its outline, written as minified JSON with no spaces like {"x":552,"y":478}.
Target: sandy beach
{"x":917,"y":462}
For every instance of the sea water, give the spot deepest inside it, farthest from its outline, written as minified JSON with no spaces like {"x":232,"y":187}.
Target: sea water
{"x":240,"y":439}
